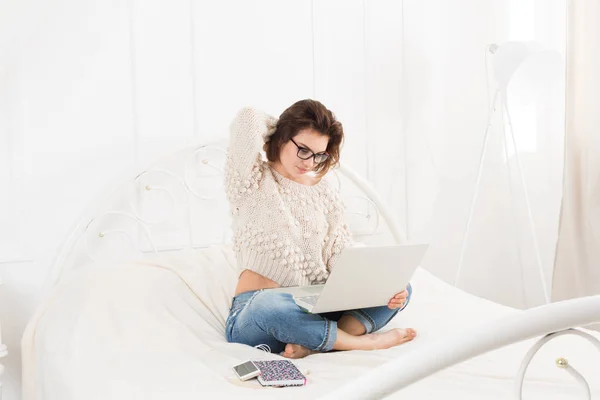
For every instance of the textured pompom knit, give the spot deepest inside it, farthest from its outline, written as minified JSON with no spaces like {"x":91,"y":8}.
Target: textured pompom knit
{"x":286,"y":231}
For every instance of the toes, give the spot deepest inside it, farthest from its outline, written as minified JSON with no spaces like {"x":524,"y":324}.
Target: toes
{"x":288,"y":352}
{"x":410,"y":333}
{"x":291,"y":355}
{"x":292,"y":351}
{"x":296,"y":351}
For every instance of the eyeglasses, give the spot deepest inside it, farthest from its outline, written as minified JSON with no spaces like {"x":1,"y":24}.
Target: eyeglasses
{"x":305,"y":154}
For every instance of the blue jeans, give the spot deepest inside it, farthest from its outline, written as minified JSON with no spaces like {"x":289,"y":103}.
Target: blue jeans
{"x":274,"y":318}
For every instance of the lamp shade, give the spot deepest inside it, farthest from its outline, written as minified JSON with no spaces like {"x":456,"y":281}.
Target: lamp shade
{"x":527,"y":67}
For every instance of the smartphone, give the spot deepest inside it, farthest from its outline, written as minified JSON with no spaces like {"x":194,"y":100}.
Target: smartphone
{"x":246,"y":370}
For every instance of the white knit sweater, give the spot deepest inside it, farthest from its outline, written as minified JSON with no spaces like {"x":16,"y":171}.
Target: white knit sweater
{"x":286,"y":231}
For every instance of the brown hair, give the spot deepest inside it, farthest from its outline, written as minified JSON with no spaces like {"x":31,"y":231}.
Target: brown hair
{"x":307,"y":114}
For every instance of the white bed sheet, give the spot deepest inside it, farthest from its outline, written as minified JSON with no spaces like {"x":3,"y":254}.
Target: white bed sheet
{"x":154,"y":329}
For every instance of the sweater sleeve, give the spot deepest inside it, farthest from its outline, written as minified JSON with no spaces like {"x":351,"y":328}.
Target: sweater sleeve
{"x":247,"y":134}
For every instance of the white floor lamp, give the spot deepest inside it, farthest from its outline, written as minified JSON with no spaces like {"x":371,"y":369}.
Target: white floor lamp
{"x":506,"y":59}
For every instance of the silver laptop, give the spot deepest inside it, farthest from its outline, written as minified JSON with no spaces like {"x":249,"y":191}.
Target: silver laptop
{"x":363,"y":277}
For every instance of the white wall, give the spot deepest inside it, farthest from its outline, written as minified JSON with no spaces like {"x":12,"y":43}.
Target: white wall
{"x":91,"y":88}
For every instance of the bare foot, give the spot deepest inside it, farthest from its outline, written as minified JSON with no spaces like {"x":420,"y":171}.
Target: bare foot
{"x":391,"y":338}
{"x":296,"y":351}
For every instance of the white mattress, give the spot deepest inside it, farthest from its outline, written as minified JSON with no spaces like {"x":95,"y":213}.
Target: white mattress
{"x":154,"y":329}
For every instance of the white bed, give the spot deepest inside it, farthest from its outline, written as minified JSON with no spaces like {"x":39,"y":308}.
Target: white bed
{"x":151,"y":326}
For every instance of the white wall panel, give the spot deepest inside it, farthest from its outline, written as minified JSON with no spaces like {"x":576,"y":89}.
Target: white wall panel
{"x":163,"y":78}
{"x":340,"y":72}
{"x":259,"y":55}
{"x":73,"y":115}
{"x":16,"y":260}
{"x":13,"y":215}
{"x":71,"y":127}
{"x":385,"y":137}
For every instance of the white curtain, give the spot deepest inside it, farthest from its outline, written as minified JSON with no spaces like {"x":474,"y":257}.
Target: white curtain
{"x":577,"y":268}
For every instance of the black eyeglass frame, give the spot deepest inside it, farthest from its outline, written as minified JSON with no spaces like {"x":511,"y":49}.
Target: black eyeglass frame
{"x":313,"y":155}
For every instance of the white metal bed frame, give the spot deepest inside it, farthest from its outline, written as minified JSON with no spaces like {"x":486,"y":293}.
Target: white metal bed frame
{"x":109,"y":216}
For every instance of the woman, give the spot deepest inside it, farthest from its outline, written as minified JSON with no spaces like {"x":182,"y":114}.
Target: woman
{"x":288,"y":231}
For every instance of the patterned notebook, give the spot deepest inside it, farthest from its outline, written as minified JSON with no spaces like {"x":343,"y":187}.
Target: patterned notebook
{"x":279,"y":373}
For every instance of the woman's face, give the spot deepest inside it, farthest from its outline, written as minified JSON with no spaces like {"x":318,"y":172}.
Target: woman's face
{"x":306,"y":139}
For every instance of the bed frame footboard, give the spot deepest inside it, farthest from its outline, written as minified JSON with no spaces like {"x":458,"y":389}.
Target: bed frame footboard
{"x":547,"y":319}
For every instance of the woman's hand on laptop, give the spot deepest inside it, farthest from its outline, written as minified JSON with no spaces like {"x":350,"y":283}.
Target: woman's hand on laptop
{"x":398,"y":300}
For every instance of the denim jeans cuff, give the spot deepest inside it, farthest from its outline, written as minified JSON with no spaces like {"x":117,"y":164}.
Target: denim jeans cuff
{"x":364,"y":319}
{"x":330,"y":336}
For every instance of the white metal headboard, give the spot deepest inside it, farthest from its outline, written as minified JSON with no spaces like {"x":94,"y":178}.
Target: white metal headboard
{"x":179,"y":202}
